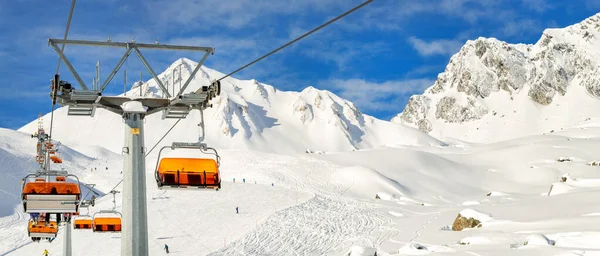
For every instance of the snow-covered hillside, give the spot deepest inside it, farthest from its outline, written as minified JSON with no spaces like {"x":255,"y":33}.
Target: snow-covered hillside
{"x":17,"y":159}
{"x":325,"y":204}
{"x":492,"y":90}
{"x":247,"y":115}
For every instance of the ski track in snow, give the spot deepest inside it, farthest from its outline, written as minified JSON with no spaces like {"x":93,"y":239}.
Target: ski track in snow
{"x":12,"y":234}
{"x":417,"y":234}
{"x":326,"y":222}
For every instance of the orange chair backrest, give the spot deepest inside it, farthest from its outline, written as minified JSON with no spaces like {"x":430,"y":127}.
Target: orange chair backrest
{"x":48,"y":188}
{"x":107,"y":224}
{"x":107,"y":221}
{"x":187,"y":165}
{"x":83,"y":223}
{"x":42,"y":228}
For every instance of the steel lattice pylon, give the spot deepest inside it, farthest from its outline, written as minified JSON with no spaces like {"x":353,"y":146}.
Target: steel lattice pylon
{"x":133,"y":110}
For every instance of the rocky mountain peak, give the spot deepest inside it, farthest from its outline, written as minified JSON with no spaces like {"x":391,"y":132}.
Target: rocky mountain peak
{"x":488,"y":74}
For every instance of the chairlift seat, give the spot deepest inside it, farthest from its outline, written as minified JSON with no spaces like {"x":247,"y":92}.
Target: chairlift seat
{"x":51,"y":197}
{"x":193,"y":172}
{"x":40,"y":230}
{"x":82,"y":223}
{"x":106,"y":224}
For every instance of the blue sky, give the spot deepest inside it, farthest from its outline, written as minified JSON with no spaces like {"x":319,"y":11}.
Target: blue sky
{"x":394,"y":48}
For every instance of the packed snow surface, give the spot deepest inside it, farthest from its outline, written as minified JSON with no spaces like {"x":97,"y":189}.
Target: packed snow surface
{"x":325,"y":204}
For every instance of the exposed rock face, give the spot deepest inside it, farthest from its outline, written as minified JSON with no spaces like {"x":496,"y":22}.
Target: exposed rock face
{"x":461,"y":223}
{"x":487,"y":68}
{"x":453,"y":112}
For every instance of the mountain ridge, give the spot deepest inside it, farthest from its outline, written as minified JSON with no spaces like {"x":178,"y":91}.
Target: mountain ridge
{"x":247,"y":115}
{"x":488,"y":76}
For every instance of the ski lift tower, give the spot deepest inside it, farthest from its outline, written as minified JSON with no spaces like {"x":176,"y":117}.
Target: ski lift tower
{"x":133,"y":109}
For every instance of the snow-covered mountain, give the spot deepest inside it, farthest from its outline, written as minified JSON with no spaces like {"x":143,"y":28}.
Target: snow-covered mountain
{"x":492,"y":90}
{"x":247,"y":115}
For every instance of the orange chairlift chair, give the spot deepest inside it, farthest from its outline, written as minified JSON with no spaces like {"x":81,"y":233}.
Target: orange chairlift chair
{"x":39,"y":230}
{"x":109,"y":221}
{"x":85,"y":221}
{"x":45,"y":196}
{"x":180,"y":173}
{"x":188,"y":172}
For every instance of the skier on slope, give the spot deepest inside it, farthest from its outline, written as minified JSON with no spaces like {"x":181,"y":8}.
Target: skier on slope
{"x":166,"y":248}
{"x":45,"y":252}
{"x":237,"y":210}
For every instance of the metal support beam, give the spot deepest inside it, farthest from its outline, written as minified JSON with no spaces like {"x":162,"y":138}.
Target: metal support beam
{"x":134,"y":239}
{"x":97,"y":83}
{"x":66,"y":61}
{"x":67,"y":248}
{"x":193,"y":74}
{"x":137,"y":45}
{"x":116,"y":69}
{"x":160,"y":84}
{"x":201,"y":125}
{"x":173,"y":76}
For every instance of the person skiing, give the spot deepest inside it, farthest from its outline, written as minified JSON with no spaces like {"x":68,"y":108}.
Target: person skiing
{"x":237,"y":210}
{"x":45,"y":252}
{"x":166,"y":248}
{"x":244,"y":179}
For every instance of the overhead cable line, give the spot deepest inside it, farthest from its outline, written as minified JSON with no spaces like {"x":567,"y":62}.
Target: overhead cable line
{"x":298,"y":39}
{"x":163,"y":137}
{"x":62,"y":50}
{"x":47,"y":166}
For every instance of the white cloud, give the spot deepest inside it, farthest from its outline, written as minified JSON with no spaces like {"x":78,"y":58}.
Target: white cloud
{"x":521,"y":27}
{"x":423,"y":70}
{"x":435,"y":47}
{"x":222,"y":45}
{"x":343,"y":52}
{"x":373,"y":96}
{"x":592,"y":4}
{"x":38,"y":92}
{"x":537,"y":5}
{"x":232,"y":14}
{"x":381,"y":15}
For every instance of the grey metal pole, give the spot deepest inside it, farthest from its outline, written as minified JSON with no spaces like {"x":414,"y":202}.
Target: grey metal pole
{"x":97,"y":76}
{"x":141,"y":82}
{"x":134,"y":239}
{"x":67,"y":250}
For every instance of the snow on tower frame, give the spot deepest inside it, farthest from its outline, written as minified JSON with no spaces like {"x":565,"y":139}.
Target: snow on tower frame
{"x":134,"y":239}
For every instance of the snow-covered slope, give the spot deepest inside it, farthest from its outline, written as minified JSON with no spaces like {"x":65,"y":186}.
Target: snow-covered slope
{"x":492,"y":90}
{"x":17,"y":159}
{"x":325,"y":204}
{"x":247,"y":115}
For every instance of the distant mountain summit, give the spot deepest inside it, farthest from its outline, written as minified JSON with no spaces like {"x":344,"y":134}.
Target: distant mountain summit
{"x":247,"y":115}
{"x":492,"y":90}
